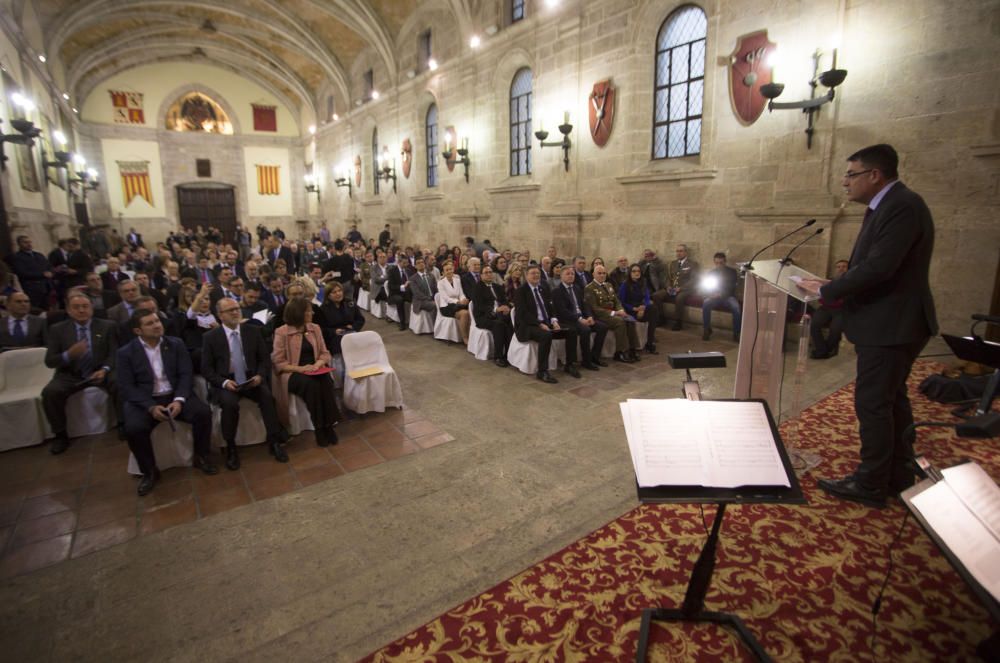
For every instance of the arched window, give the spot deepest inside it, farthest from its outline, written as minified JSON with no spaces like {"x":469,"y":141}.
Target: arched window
{"x":375,"y":179}
{"x":520,"y":123}
{"x":680,"y":83}
{"x":431,"y":134}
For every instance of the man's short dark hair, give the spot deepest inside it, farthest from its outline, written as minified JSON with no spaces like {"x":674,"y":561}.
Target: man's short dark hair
{"x":135,"y":320}
{"x":338,"y":244}
{"x":881,"y":157}
{"x":469,"y":240}
{"x":719,"y":254}
{"x":144,"y":302}
{"x":253,"y":285}
{"x":315,"y":265}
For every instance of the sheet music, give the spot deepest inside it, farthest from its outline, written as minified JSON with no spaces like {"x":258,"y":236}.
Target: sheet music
{"x":967,"y":538}
{"x":978,"y":492}
{"x":263,"y":316}
{"x":721,"y":444}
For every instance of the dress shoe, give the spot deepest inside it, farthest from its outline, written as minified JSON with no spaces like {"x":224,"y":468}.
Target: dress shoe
{"x":816,"y":354}
{"x":545,"y":376}
{"x":589,"y":366}
{"x":232,"y":458}
{"x":599,"y":361}
{"x":121,"y":432}
{"x":832,"y":353}
{"x":146,"y":483}
{"x":402,"y":327}
{"x":651,"y":349}
{"x":707,"y":334}
{"x":279,"y":454}
{"x":331,"y":435}
{"x":572,"y":370}
{"x":899,"y":484}
{"x":849,"y":488}
{"x":634,"y":354}
{"x":623,"y":358}
{"x":321,"y":439}
{"x":59,"y":445}
{"x":205,"y":465}
{"x":501,"y":362}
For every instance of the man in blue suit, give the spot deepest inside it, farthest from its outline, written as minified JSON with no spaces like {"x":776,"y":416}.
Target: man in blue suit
{"x":155,"y":377}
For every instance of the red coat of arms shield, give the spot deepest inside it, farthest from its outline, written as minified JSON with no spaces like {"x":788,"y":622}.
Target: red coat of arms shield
{"x":748,"y":70}
{"x":407,"y":152}
{"x":357,"y":170}
{"x":601,"y":109}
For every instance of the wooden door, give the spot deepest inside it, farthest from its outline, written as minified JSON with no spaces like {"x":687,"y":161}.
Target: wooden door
{"x":208,"y":206}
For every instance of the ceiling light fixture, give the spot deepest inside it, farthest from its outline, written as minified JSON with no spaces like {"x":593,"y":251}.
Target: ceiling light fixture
{"x":475,"y":41}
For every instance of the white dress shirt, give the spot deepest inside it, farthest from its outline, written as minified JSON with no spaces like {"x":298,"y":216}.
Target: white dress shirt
{"x":161,"y":385}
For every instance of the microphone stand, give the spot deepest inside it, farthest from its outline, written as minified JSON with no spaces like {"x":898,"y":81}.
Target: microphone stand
{"x":749,"y":266}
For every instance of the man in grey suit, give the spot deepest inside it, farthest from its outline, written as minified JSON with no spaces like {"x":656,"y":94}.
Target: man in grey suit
{"x":82,"y":350}
{"x":889,"y":316}
{"x":129,"y":291}
{"x":19,"y":329}
{"x":423,"y":287}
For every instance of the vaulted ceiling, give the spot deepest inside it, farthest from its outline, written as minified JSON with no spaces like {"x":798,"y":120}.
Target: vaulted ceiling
{"x":294,"y":47}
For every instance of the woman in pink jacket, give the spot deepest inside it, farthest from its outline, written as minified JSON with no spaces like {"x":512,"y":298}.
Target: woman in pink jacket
{"x":299,"y":350}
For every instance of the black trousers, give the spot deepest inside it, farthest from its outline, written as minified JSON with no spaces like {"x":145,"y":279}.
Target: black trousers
{"x":139,"y":425}
{"x":400,"y":302}
{"x":319,"y":393}
{"x":590,"y":350}
{"x":61,"y":387}
{"x":651,"y":316}
{"x":544,"y":340}
{"x":821,"y":318}
{"x":883,"y":411}
{"x":229,"y":401}
{"x":502,"y":330}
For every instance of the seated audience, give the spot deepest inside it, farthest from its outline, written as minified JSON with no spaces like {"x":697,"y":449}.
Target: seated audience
{"x":471,"y":277}
{"x":82,"y":350}
{"x":574,"y":313}
{"x":113,"y":275}
{"x":236,"y":363}
{"x":423,"y":288}
{"x":155,"y":376}
{"x":829,"y":314}
{"x":250,"y":303}
{"x":635,"y":298}
{"x":398,"y":287}
{"x":456,"y":303}
{"x":340,"y":316}
{"x":536,"y":321}
{"x":601,"y":298}
{"x":299,"y":356}
{"x":197,"y":320}
{"x":20,"y":329}
{"x":682,"y":282}
{"x":619,"y":274}
{"x":128,"y":291}
{"x":514,"y":280}
{"x":101,"y":300}
{"x":718,"y":287}
{"x":492,"y":313}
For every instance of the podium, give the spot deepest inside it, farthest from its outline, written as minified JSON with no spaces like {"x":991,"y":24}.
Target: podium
{"x":759,"y":366}
{"x":693,"y":607}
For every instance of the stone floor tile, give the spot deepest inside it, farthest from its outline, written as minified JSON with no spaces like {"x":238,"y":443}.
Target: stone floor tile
{"x":361,"y":461}
{"x":44,"y":505}
{"x":103,"y":536}
{"x":223,"y":500}
{"x":319,"y":473}
{"x":272,"y":486}
{"x":39,"y":529}
{"x":168,"y":516}
{"x":35,"y":556}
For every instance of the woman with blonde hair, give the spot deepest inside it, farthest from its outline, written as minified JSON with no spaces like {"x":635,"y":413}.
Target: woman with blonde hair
{"x":299,"y":360}
{"x":457,"y":306}
{"x":515,"y":277}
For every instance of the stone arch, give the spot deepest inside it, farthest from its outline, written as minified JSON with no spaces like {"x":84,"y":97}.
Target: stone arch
{"x":177,"y":93}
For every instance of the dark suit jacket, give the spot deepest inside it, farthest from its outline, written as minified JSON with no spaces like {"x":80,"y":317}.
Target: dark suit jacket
{"x":215,"y":355}
{"x":34,"y":333}
{"x":527,"y":310}
{"x":339,"y":317}
{"x":135,"y":375}
{"x":564,"y":307}
{"x":284,"y":253}
{"x":111,"y":281}
{"x":395,"y":280}
{"x":886,"y":290}
{"x":81,"y":262}
{"x":103,"y":340}
{"x":482,"y":302}
{"x":468,"y":282}
{"x":125,"y":334}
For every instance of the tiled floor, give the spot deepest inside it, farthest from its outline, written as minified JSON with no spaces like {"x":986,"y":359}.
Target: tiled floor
{"x":53,"y":508}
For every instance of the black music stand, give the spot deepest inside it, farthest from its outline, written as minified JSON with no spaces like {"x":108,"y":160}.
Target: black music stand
{"x":693,"y":608}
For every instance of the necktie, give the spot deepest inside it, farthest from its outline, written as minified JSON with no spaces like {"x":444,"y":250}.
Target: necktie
{"x":18,"y":330}
{"x":543,"y":314}
{"x":475,"y":277}
{"x":572,"y":298}
{"x":236,"y":358}
{"x":402,"y":273}
{"x":87,"y":358}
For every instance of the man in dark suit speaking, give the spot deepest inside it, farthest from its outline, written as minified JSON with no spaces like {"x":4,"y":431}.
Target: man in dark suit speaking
{"x":154,"y":375}
{"x":889,"y":316}
{"x":235,"y":362}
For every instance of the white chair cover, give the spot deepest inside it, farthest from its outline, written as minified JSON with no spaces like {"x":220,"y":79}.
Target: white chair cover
{"x":376,"y":392}
{"x":170,"y":448}
{"x":445,"y":328}
{"x":390,"y":309}
{"x":298,"y":415}
{"x":525,"y":355}
{"x":24,"y":375}
{"x":480,"y":340}
{"x":250,"y":429}
{"x":377,"y":308}
{"x":363,"y":299}
{"x":199,"y":386}
{"x":90,"y":412}
{"x":610,"y":344}
{"x":421,"y":322}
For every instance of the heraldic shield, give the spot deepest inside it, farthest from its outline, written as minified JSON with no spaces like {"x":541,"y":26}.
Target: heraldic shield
{"x":602,"y":111}
{"x":748,"y":70}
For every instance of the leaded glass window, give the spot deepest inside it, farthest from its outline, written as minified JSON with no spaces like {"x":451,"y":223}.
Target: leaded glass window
{"x":520,"y":123}
{"x":431,"y":133}
{"x":680,"y":84}
{"x":375,"y":179}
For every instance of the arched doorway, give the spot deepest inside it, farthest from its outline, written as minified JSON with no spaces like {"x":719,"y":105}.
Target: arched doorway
{"x":208,"y":205}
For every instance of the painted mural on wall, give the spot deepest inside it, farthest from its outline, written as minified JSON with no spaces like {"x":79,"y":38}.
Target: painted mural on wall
{"x":197,"y":112}
{"x":126,"y":107}
{"x":135,"y":181}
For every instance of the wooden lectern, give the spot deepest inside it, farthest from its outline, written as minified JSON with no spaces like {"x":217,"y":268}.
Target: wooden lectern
{"x":768,"y":285}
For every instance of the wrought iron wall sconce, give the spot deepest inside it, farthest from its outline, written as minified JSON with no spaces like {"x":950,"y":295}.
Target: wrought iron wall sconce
{"x":26,"y":134}
{"x":829,"y":79}
{"x":565,"y":129}
{"x":312,"y":186}
{"x":463,"y":154}
{"x":61,"y":163}
{"x":87,"y":180}
{"x":387,"y":168}
{"x":344,"y":181}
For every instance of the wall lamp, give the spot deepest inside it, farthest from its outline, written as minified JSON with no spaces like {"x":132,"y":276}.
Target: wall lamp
{"x":829,"y":79}
{"x":463,"y":153}
{"x":26,"y":134}
{"x":312,"y":186}
{"x":345,"y":181}
{"x":565,"y":129}
{"x":387,"y":168}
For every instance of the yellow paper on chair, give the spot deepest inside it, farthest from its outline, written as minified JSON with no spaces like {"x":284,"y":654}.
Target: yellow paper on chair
{"x":364,"y":372}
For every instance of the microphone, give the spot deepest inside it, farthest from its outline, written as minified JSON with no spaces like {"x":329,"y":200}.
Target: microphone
{"x":749,"y":266}
{"x":788,"y":258}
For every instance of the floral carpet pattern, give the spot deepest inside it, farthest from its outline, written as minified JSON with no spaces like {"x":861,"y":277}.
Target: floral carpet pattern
{"x":802,"y":578}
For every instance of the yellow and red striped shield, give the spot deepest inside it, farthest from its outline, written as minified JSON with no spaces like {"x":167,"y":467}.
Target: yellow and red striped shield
{"x":135,"y":181}
{"x":267,"y":180}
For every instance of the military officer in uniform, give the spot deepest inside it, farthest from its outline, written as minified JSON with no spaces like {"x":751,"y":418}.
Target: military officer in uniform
{"x":601,"y":298}
{"x":682,"y":275}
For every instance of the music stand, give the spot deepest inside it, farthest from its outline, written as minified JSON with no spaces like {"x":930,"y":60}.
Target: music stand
{"x":693,"y":608}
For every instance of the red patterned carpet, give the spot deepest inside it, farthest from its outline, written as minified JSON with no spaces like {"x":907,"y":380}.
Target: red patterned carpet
{"x":802,"y":578}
